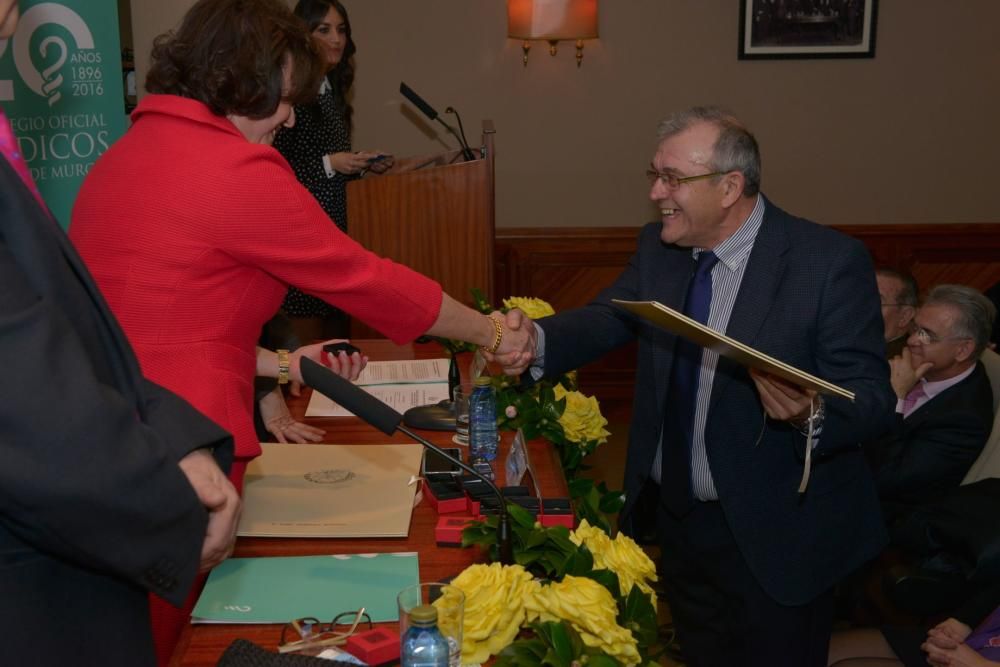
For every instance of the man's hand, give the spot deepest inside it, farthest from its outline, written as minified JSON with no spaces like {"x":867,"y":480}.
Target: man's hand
{"x":517,"y":349}
{"x":781,"y":399}
{"x":217,"y":494}
{"x":904,"y":376}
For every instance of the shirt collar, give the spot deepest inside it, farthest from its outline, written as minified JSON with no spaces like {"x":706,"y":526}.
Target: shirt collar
{"x":932,"y":389}
{"x":734,"y":251}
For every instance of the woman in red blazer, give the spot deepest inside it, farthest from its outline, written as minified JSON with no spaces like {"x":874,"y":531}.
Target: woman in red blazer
{"x":194,"y":226}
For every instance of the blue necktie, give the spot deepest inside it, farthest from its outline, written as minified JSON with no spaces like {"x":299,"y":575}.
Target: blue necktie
{"x":678,"y":422}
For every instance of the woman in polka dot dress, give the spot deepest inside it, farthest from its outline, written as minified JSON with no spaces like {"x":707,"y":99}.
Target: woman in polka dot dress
{"x":318,"y":146}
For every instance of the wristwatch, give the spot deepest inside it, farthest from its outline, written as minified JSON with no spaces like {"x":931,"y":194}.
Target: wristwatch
{"x":813,"y":421}
{"x":283,"y":366}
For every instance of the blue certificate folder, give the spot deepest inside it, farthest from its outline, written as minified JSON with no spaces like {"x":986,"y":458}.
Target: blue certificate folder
{"x":278,"y":590}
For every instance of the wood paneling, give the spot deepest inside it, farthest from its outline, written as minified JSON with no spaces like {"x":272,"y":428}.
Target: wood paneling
{"x":433,"y":215}
{"x":968,"y":254}
{"x":568,"y":266}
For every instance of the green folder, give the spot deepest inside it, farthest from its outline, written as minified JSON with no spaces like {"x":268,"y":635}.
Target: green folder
{"x":278,"y":590}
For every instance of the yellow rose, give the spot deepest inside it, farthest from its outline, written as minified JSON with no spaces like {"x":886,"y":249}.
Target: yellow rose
{"x":582,"y":420}
{"x":494,"y":607}
{"x":591,"y":610}
{"x":533,"y":308}
{"x":621,"y":555}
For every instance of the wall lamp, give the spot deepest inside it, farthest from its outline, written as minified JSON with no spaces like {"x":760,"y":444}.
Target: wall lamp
{"x":552,"y":20}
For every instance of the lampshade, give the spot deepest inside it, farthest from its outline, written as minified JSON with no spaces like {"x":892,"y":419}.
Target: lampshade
{"x":552,"y":19}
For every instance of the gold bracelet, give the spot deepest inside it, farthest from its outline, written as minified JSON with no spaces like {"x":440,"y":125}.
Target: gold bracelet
{"x":283,"y":366}
{"x":498,"y":335}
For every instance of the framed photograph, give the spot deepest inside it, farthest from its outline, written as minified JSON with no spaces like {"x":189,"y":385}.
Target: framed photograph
{"x":807,"y":29}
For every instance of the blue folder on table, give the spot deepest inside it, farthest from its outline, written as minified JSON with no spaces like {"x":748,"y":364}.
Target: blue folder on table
{"x":280,"y":589}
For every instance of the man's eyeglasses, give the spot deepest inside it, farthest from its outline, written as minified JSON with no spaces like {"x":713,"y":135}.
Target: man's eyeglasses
{"x":672,"y":180}
{"x":310,"y":632}
{"x":925,"y":337}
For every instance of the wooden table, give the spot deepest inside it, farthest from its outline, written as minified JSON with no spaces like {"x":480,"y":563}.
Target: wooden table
{"x":201,"y":645}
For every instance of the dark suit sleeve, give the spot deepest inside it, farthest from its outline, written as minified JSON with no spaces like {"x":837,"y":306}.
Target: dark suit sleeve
{"x":82,"y":477}
{"x":578,"y":336}
{"x":849,"y":350}
{"x":931,"y":457}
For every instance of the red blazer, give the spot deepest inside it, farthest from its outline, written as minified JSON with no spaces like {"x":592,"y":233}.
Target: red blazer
{"x":194,"y":235}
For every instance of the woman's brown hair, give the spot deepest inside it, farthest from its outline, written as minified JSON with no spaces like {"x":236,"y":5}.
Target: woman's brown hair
{"x":231,"y":55}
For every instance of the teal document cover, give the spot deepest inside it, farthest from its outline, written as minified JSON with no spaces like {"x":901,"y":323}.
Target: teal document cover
{"x":278,"y":590}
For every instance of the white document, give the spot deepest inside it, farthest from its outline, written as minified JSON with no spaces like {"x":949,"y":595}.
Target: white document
{"x":401,"y":397}
{"x":406,"y":371}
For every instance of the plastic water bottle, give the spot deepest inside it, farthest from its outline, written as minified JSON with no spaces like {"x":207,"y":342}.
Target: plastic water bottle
{"x":483,"y":422}
{"x":422,"y":644}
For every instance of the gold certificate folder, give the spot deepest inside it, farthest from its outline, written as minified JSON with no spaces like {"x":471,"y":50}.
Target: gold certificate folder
{"x":682,"y":325}
{"x":330,"y":491}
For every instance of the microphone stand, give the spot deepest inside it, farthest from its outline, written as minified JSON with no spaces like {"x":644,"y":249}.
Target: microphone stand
{"x":505,"y":546}
{"x":462,"y":141}
{"x":431,"y":113}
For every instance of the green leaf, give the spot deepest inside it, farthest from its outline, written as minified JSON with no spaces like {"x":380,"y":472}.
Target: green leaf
{"x":522,"y":652}
{"x":612,"y":502}
{"x":637,"y":613}
{"x":561,"y":644}
{"x":580,"y":563}
{"x":520,"y":516}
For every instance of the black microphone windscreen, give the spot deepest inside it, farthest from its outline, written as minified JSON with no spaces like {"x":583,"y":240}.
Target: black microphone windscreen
{"x":417,"y":101}
{"x":351,"y":397}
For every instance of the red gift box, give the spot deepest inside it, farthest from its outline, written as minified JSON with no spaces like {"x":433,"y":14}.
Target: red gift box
{"x":448,"y":532}
{"x":375,"y":646}
{"x":446,"y":506}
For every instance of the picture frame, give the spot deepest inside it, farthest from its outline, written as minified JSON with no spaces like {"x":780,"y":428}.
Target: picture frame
{"x":784,"y":29}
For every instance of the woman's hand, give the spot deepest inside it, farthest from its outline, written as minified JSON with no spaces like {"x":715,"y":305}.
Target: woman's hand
{"x":346,"y":366}
{"x":943,"y":651}
{"x":350,"y":163}
{"x":378,"y":162}
{"x":280,"y":423}
{"x":954,"y":628}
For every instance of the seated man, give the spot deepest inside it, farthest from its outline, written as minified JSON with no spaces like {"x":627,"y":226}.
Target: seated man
{"x":898,"y":293}
{"x":945,"y":407}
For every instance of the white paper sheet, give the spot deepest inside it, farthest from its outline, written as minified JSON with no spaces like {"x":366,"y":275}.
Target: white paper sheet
{"x":401,"y":397}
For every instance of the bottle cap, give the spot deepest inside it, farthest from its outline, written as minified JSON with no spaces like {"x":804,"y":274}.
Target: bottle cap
{"x":483,"y":381}
{"x":425,"y":614}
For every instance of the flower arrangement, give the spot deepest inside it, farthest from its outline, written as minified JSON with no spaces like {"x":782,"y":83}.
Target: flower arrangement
{"x":571,"y":596}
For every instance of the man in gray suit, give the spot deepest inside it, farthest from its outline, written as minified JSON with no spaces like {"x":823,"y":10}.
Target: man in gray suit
{"x":752,"y":545}
{"x":109,"y":486}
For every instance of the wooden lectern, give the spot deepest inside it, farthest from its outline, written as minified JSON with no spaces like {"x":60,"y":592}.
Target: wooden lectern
{"x":435,"y":214}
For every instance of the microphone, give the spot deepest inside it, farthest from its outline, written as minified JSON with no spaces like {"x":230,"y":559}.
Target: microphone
{"x":431,"y":113}
{"x":418,"y":101}
{"x":384,"y":418}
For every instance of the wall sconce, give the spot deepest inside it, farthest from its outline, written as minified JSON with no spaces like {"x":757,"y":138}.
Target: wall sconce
{"x":552,"y":20}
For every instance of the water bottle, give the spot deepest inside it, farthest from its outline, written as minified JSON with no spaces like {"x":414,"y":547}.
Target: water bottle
{"x":422,"y":644}
{"x":483,"y":422}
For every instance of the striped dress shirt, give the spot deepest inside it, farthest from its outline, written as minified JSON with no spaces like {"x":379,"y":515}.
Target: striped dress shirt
{"x":727,"y":275}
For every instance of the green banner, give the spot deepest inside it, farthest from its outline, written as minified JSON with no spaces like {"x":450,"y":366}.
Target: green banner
{"x":61,"y":86}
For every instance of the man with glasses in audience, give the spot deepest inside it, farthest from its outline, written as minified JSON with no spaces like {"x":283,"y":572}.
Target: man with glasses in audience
{"x":898,"y":293}
{"x":944,"y":410}
{"x":758,"y":490}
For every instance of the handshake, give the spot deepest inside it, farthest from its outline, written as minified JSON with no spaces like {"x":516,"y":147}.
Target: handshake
{"x":518,"y":345}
